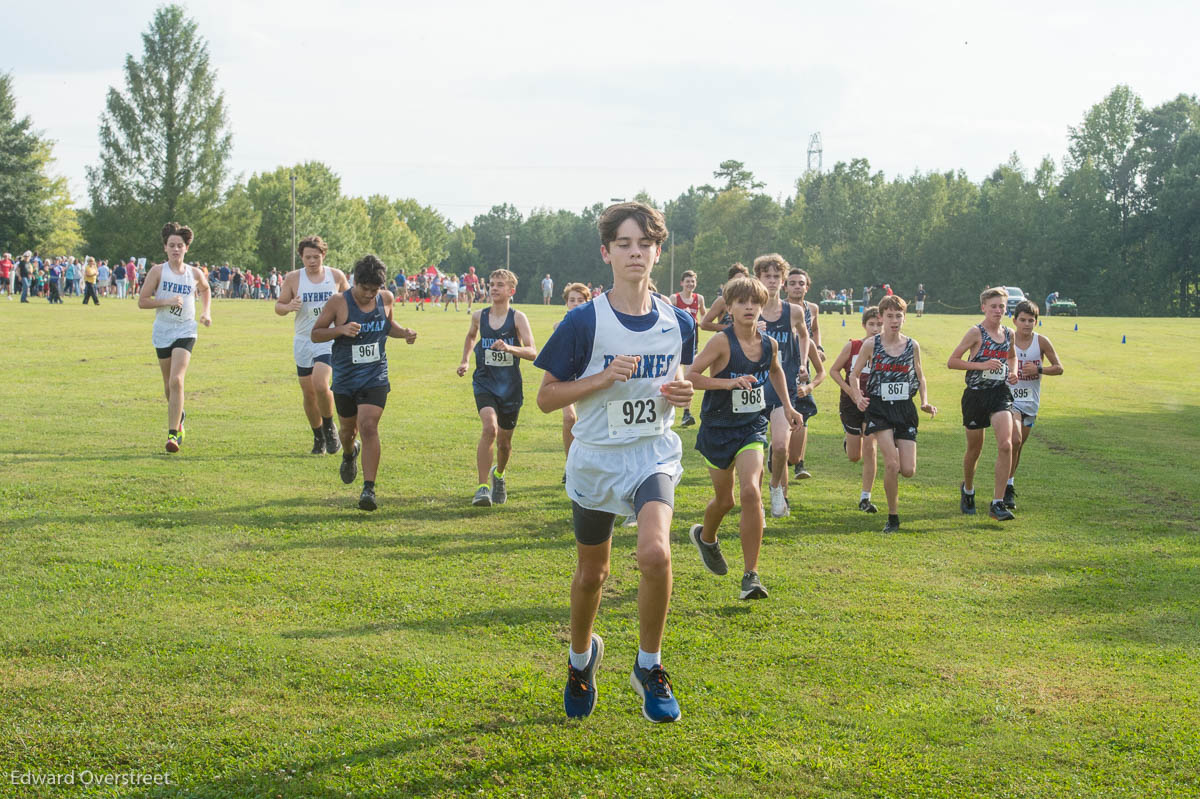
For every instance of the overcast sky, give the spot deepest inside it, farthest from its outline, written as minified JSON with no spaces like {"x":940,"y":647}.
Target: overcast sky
{"x":464,"y":105}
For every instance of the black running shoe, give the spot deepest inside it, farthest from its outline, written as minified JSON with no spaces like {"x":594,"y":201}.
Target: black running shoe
{"x":366,"y":500}
{"x":318,"y":444}
{"x":688,"y":419}
{"x":893,"y":524}
{"x":866,"y":506}
{"x":710,"y":554}
{"x":499,"y":489}
{"x":966,"y":502}
{"x":1000,"y":513}
{"x":349,"y":466}
{"x":752,"y":587}
{"x":801,"y":473}
{"x":1010,"y":497}
{"x":332,"y":443}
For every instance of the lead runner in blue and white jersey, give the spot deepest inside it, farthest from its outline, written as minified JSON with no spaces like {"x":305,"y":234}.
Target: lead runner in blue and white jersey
{"x":305,"y":292}
{"x":619,"y":359}
{"x":171,"y":290}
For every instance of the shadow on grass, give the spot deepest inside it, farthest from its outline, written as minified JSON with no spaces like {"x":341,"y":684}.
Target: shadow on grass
{"x":308,"y":777}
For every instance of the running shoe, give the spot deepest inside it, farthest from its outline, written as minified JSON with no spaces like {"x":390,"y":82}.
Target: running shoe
{"x":332,"y":443}
{"x":366,"y":500}
{"x":801,"y":472}
{"x":779,"y":503}
{"x":182,"y":419}
{"x":318,"y":444}
{"x":1000,"y":513}
{"x":867,"y":506}
{"x":1010,"y":497}
{"x":710,"y":554}
{"x":499,"y":489}
{"x":752,"y":587}
{"x":653,"y":685}
{"x":349,"y":466}
{"x":966,"y":502}
{"x":688,"y":419}
{"x":579,"y":697}
{"x":172,"y":442}
{"x":483,"y":497}
{"x":893,"y":524}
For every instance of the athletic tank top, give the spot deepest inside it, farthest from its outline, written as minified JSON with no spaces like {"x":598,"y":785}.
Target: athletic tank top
{"x":731,"y":408}
{"x":1028,"y":392}
{"x":887,"y":368}
{"x":498,"y":373}
{"x":693,"y":307}
{"x":989,"y":349}
{"x":171,"y":322}
{"x":361,"y":362}
{"x":807,"y":317}
{"x":626,"y":412}
{"x":789,"y":352}
{"x":313,"y":297}
{"x":855,"y":354}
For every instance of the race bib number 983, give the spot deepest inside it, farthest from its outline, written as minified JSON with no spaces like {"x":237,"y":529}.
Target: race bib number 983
{"x":635,"y":416}
{"x":748,"y":400}
{"x":365,"y":353}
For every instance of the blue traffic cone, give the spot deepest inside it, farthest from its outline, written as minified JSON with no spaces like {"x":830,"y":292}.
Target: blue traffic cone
{"x":843,"y":323}
{"x":1122,"y":339}
{"x":1076,"y":325}
{"x":1039,"y":323}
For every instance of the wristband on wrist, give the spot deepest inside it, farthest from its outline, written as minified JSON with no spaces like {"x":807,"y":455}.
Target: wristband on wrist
{"x":1039,"y":368}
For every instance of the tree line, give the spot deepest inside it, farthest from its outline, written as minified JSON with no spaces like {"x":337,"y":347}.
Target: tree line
{"x":1115,"y":225}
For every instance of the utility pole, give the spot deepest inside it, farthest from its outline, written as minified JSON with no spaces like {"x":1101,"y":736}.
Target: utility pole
{"x":815,"y":153}
{"x":293,"y":221}
{"x":507,"y":252}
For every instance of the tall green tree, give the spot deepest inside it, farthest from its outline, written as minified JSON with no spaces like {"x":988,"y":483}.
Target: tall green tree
{"x":164,"y":142}
{"x":29,"y":197}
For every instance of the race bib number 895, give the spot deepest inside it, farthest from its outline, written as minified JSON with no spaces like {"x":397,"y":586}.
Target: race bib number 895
{"x":1022,"y":393}
{"x":635,"y":417}
{"x":748,"y":400}
{"x":365,"y":353}
{"x":497,"y":358}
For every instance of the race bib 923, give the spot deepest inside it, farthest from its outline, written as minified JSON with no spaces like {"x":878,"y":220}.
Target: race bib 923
{"x":639,"y":417}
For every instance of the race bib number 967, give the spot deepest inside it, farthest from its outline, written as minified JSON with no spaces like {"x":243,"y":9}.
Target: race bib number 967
{"x":365,"y":353}
{"x":635,"y":416}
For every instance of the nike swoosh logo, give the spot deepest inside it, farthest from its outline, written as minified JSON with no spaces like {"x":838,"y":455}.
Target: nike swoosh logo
{"x":578,"y":494}
{"x":666,"y":330}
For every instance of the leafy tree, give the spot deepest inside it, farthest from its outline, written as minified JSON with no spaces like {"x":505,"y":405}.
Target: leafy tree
{"x":318,"y":195}
{"x":164,"y":142}
{"x":736,"y":176}
{"x":30,"y":201}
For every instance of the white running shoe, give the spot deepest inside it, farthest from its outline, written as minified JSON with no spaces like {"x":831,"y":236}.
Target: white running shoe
{"x":779,"y":503}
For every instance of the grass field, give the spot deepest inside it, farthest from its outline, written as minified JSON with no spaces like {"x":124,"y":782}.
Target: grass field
{"x":227,"y":617}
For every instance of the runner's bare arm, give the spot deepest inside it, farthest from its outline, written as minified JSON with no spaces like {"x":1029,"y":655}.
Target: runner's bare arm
{"x":288,"y":300}
{"x":469,"y":343}
{"x":332,"y":323}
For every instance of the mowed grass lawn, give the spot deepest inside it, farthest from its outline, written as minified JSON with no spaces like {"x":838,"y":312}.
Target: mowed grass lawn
{"x":227,"y":617}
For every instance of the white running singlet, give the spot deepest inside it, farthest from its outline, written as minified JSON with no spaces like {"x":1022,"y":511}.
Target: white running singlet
{"x":171,"y":322}
{"x":313,"y":297}
{"x":1027,"y":394}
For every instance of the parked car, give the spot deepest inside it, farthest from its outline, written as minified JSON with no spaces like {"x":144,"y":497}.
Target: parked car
{"x":835,"y":306}
{"x":1015,"y":295}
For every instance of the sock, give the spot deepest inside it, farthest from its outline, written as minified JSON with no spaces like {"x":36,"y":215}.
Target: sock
{"x":580,"y":661}
{"x":865,"y":495}
{"x":172,"y":432}
{"x":327,"y":423}
{"x":347,"y":453}
{"x":499,"y":474}
{"x":800,"y":463}
{"x":997,"y":501}
{"x":970,"y":492}
{"x":1010,"y":481}
{"x":893,"y":517}
{"x":317,"y":432}
{"x":648,"y":660}
{"x":369,"y":484}
{"x":484,"y":485}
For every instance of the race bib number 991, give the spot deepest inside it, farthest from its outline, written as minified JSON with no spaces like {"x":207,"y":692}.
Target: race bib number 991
{"x":365,"y":353}
{"x":748,"y":400}
{"x":497,"y":358}
{"x":635,"y":416}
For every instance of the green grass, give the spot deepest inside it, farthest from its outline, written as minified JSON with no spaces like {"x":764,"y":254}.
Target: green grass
{"x":229,"y":617}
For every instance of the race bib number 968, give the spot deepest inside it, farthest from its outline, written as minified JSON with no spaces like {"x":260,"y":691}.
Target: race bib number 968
{"x":635,"y":416}
{"x":748,"y":400}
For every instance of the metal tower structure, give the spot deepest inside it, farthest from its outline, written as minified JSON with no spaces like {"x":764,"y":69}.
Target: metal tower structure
{"x":815,"y":152}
